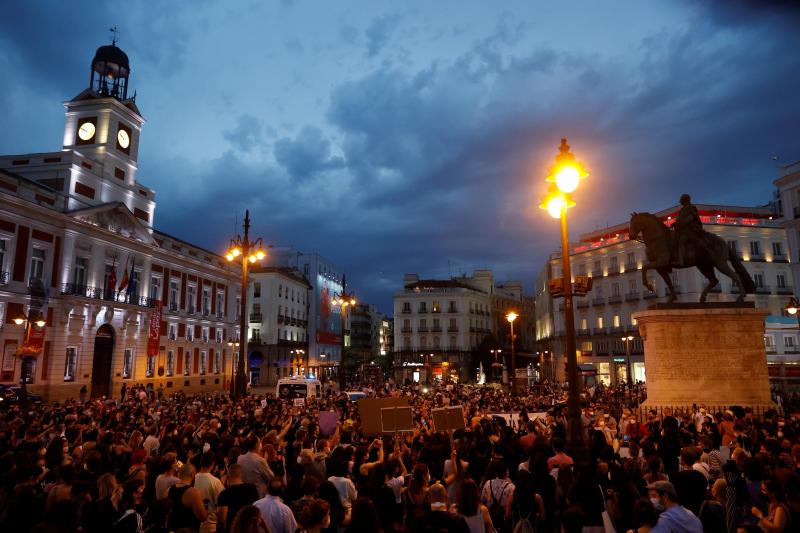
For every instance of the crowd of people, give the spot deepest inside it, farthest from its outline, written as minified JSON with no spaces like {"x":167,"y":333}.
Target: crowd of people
{"x":203,"y":463}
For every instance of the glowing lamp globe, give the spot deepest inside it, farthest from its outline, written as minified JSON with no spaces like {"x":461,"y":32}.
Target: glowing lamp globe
{"x":567,"y":179}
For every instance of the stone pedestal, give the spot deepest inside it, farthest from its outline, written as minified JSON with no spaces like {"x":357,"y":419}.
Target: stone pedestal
{"x":705,"y":355}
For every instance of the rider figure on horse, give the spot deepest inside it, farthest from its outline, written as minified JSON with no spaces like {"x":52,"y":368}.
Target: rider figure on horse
{"x":688,"y":232}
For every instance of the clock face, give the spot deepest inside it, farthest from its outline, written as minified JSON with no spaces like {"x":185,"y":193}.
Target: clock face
{"x":86,"y":131}
{"x":123,"y":139}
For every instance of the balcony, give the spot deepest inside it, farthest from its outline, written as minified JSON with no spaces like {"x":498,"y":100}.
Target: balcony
{"x":255,"y":340}
{"x":757,"y":257}
{"x":436,"y":310}
{"x":630,"y":267}
{"x":173,"y":306}
{"x":406,"y":311}
{"x":764,"y":289}
{"x":598,"y":301}
{"x":650,"y":295}
{"x":615,"y":299}
{"x":452,"y":310}
{"x":207,"y":312}
{"x":452,"y":329}
{"x":582,"y":302}
{"x":406,"y":330}
{"x":220,"y":315}
{"x":618,"y":329}
{"x":632,"y":296}
{"x":599,"y":331}
{"x":4,"y":277}
{"x":583,"y":332}
{"x":96,"y":293}
{"x":256,"y":317}
{"x":436,"y":329}
{"x":191,"y":310}
{"x":422,"y":329}
{"x":785,"y":290}
{"x":779,"y":258}
{"x":422,"y":310}
{"x":597,"y":273}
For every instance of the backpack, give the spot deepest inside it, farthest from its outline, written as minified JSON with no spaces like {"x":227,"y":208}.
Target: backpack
{"x":496,"y":511}
{"x":524,"y":526}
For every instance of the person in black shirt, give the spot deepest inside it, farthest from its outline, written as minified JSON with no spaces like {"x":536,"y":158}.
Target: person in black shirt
{"x":237,"y":495}
{"x":439,"y":519}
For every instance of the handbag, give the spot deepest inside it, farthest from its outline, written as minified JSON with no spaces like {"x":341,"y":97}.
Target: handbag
{"x":608,"y":525}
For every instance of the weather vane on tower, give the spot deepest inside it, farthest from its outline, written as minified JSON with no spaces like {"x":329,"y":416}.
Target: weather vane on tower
{"x":114,"y":33}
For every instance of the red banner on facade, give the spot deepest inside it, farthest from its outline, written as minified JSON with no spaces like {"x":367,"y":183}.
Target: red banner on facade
{"x":155,"y":330}
{"x":35,"y":341}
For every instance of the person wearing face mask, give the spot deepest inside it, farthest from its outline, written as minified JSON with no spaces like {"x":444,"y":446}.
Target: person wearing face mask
{"x":674,"y":517}
{"x":777,"y":518}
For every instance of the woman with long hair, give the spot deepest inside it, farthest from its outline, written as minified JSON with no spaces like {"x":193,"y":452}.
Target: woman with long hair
{"x":339,"y":517}
{"x":248,"y":520}
{"x":469,"y":506}
{"x":777,"y":518}
{"x":364,"y":518}
{"x":415,"y":496}
{"x":130,"y":521}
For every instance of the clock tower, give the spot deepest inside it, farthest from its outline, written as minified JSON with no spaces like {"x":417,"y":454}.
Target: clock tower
{"x":103,"y":123}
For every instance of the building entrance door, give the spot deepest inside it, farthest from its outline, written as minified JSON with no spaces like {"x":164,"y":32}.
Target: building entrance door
{"x":101,"y":362}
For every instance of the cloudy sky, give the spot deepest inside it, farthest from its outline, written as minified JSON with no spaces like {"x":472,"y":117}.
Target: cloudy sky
{"x":414,"y":136}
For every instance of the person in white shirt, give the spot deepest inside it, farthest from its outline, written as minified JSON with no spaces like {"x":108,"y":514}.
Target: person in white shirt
{"x":151,"y":443}
{"x":167,"y":477}
{"x":209,"y":486}
{"x":277,"y":515}
{"x":345,"y":487}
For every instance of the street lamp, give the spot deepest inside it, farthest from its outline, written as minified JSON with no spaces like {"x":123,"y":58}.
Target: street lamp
{"x":511,"y":317}
{"x":496,"y":366}
{"x":566,"y":175}
{"x":248,"y":252}
{"x":28,"y":350}
{"x":345,"y":300}
{"x":627,"y":340}
{"x":792,"y":307}
{"x":297,"y":357}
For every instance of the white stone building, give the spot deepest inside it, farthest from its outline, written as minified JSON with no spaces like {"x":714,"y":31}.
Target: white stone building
{"x":70,"y":221}
{"x":614,"y":262}
{"x":278,"y":302}
{"x":437,"y":323}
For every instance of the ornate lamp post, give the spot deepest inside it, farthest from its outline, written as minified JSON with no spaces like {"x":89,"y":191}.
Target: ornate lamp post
{"x":511,"y":317}
{"x":27,"y":351}
{"x":247,"y":251}
{"x":344,"y":299}
{"x":497,"y":366}
{"x":792,"y":307}
{"x":566,"y":174}
{"x":627,"y":340}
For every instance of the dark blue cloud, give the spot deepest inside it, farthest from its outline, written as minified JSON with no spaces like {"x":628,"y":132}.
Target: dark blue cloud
{"x":417,"y":141}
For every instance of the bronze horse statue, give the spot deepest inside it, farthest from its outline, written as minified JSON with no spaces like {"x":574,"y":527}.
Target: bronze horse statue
{"x":710,"y":253}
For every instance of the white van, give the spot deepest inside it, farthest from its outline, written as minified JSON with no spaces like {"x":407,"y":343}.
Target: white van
{"x":291,"y":388}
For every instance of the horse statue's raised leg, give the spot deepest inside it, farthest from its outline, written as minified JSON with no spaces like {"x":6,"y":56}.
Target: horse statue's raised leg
{"x":665,"y":275}
{"x":646,"y":283}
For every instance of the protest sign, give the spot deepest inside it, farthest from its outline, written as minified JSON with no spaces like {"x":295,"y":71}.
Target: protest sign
{"x":370,"y":411}
{"x":448,"y":418}
{"x":327,"y":422}
{"x":394,"y":419}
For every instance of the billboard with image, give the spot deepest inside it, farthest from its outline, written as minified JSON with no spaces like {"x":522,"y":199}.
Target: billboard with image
{"x":329,"y":316}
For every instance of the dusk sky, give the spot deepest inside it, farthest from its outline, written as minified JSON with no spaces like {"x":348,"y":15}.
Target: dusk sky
{"x":414,"y":137}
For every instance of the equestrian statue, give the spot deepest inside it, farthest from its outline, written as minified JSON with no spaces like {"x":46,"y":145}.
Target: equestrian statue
{"x":687,"y":245}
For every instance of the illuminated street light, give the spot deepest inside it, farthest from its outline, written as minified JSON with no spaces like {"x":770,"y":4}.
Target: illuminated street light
{"x":249,"y":251}
{"x":566,"y":174}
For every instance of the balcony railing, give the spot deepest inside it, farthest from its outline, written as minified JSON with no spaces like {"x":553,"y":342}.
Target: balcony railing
{"x":785,"y":290}
{"x":452,"y":310}
{"x":173,"y":306}
{"x":452,"y":329}
{"x":757,"y":257}
{"x":632,"y":296}
{"x":220,"y":315}
{"x":582,"y":303}
{"x":422,"y":329}
{"x":583,"y":332}
{"x":256,"y":317}
{"x":614,"y":299}
{"x":422,"y":310}
{"x":599,"y":331}
{"x":597,"y":273}
{"x":630,"y":266}
{"x":436,"y":329}
{"x":4,"y":276}
{"x":406,"y":311}
{"x":764,"y":289}
{"x":406,"y":330}
{"x":650,"y":295}
{"x":207,"y":312}
{"x":598,"y":301}
{"x":96,"y":293}
{"x":779,"y":258}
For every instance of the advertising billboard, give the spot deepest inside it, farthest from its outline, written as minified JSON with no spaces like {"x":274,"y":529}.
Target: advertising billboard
{"x":329,"y":316}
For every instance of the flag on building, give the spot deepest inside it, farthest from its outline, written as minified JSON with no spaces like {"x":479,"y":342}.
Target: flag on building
{"x":124,"y":283}
{"x":112,"y":276}
{"x":132,"y":282}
